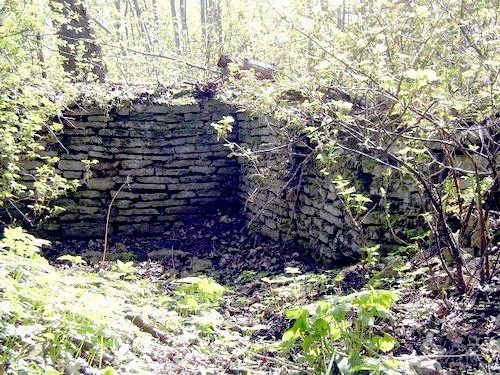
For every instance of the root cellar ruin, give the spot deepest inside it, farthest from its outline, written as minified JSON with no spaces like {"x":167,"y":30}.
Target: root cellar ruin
{"x":179,"y":172}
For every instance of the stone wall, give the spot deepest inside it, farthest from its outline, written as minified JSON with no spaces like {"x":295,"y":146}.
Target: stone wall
{"x":266,"y":182}
{"x":177,"y":169}
{"x":179,"y":172}
{"x":289,"y":199}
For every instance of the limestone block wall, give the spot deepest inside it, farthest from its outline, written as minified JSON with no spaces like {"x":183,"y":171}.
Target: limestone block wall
{"x":179,"y":172}
{"x":289,"y":199}
{"x":266,"y":181}
{"x":177,"y":169}
{"x":324,"y":226}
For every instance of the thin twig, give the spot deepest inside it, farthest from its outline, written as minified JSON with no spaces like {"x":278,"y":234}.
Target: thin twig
{"x":143,"y":326}
{"x":279,"y":362}
{"x":108,"y":219}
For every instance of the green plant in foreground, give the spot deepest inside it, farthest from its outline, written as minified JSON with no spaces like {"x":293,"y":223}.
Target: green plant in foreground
{"x":21,"y":243}
{"x":197,"y":298}
{"x":55,"y":321}
{"x":73,"y":259}
{"x":343,"y":335}
{"x":197,"y":293}
{"x":371,"y":254}
{"x":124,"y":270}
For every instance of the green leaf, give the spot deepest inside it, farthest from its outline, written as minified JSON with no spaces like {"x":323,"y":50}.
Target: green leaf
{"x":290,"y":335}
{"x":109,"y":371}
{"x":72,"y":259}
{"x":384,"y":343}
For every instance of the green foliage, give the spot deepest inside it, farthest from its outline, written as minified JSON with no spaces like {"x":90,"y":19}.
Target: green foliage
{"x":124,"y":270}
{"x":17,"y":241}
{"x":52,"y":321}
{"x":416,"y":93}
{"x":30,"y":79}
{"x":198,"y":293}
{"x":40,"y":317}
{"x":353,"y":201}
{"x":371,"y":254}
{"x":73,"y":259}
{"x":223,"y":127}
{"x":345,"y":331}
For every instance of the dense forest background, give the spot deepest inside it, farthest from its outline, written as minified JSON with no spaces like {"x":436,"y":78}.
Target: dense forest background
{"x":410,"y":86}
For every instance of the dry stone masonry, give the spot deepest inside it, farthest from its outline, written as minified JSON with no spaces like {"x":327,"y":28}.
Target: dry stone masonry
{"x":178,"y":172}
{"x":177,"y":169}
{"x":290,"y":199}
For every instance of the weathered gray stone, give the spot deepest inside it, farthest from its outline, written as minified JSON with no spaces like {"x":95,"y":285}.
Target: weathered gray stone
{"x":88,"y":210}
{"x":71,"y":165}
{"x":198,"y":264}
{"x":180,"y":163}
{"x":208,"y":193}
{"x":84,"y":111}
{"x":160,"y":109}
{"x":330,"y":208}
{"x":98,"y":119}
{"x":157,"y":180}
{"x":199,"y":178}
{"x":202,"y":169}
{"x":307,"y":210}
{"x":82,"y":131}
{"x":90,"y":194}
{"x":124,"y":194}
{"x":139,"y":186}
{"x":173,"y":118}
{"x":72,"y":174}
{"x":150,"y":171}
{"x":171,"y":172}
{"x":154,"y":196}
{"x":149,"y":204}
{"x":197,"y":116}
{"x":114,"y":132}
{"x":139,"y":211}
{"x":82,"y":229}
{"x":133,"y":218}
{"x":100,"y":183}
{"x":185,"y":149}
{"x":135,"y":163}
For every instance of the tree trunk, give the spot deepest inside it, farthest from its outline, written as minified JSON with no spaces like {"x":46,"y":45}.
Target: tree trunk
{"x":218,"y":23}
{"x":118,"y":21}
{"x":342,"y":15}
{"x":183,"y":11}
{"x":156,"y":20}
{"x":141,"y":25}
{"x":215,"y":29}
{"x":76,"y":33}
{"x":40,"y":54}
{"x":203,"y":16}
{"x":176,"y":25}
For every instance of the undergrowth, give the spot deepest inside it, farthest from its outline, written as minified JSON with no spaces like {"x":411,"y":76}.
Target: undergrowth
{"x":54,"y":321}
{"x":112,"y":318}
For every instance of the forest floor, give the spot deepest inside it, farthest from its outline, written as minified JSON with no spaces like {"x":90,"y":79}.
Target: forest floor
{"x":211,"y":300}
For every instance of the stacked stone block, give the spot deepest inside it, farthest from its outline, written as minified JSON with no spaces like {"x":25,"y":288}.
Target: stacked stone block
{"x":308,"y":210}
{"x":265,"y":181}
{"x":177,"y":170}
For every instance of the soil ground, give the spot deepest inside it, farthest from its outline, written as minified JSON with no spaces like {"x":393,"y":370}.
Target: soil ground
{"x":441,"y":334}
